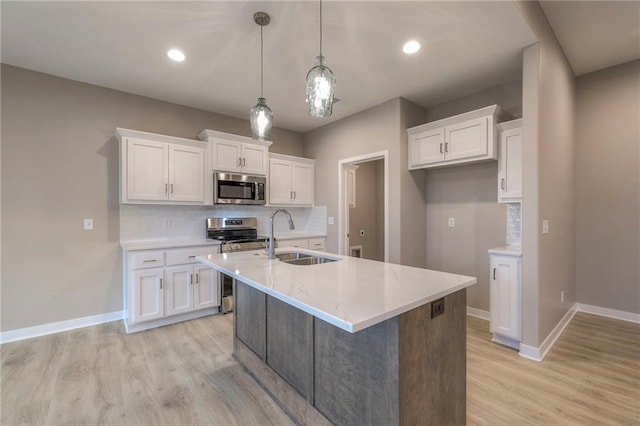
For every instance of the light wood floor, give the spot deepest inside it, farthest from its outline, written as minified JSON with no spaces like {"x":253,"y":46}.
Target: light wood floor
{"x":184,"y":374}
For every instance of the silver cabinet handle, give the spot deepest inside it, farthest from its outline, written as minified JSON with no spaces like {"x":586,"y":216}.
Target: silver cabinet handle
{"x":494,"y":273}
{"x":160,"y":283}
{"x":502,"y":183}
{"x":244,"y":162}
{"x":446,"y":147}
{"x":166,"y":188}
{"x":172,"y":188}
{"x":190,"y":278}
{"x":149,"y":260}
{"x":197,"y":278}
{"x":291,"y":195}
{"x":441,"y":149}
{"x":239,"y":161}
{"x":192,"y":257}
{"x":294,"y":195}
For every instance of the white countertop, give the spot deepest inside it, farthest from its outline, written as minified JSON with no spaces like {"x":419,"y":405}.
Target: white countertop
{"x":160,"y":244}
{"x":351,"y":293}
{"x":507,"y":250}
{"x":296,"y":235}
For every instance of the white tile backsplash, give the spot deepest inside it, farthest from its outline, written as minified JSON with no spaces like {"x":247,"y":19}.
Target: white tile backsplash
{"x":514,"y":225}
{"x":158,"y":222}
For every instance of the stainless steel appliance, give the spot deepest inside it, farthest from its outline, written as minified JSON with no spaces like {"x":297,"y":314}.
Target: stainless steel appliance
{"x":238,"y":189}
{"x":236,"y":234}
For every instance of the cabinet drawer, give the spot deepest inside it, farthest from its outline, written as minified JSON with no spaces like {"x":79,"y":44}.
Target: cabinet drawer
{"x":317,"y":243}
{"x":301,"y":243}
{"x":147,"y":259}
{"x":188,"y":255}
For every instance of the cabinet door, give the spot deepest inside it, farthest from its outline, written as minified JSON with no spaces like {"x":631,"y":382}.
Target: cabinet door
{"x":505,"y":296}
{"x":302,"y":183}
{"x":226,"y":155}
{"x":426,"y":147}
{"x":179,"y":291}
{"x":186,"y":173}
{"x":149,"y":300}
{"x":250,"y":315}
{"x":466,"y":140}
{"x":147,"y":170}
{"x":206,"y":291}
{"x":510,"y":166}
{"x":254,"y":159}
{"x":280,"y":190}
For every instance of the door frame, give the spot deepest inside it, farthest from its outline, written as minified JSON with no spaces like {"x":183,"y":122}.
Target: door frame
{"x":343,"y":204}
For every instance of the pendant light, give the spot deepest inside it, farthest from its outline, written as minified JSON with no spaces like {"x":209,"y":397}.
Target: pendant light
{"x":261,"y":117}
{"x":320,"y":84}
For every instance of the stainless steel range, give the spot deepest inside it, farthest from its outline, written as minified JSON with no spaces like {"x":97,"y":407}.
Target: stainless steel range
{"x":236,"y":234}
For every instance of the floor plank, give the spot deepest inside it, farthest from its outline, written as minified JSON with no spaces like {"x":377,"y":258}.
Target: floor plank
{"x":184,"y":374}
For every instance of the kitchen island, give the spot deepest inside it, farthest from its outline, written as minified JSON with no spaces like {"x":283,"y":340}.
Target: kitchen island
{"x":351,"y":341}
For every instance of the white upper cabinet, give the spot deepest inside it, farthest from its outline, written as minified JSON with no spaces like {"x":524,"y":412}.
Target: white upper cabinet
{"x":159,"y":169}
{"x":291,"y":180}
{"x":464,"y":138}
{"x":510,"y":162}
{"x":236,"y":154}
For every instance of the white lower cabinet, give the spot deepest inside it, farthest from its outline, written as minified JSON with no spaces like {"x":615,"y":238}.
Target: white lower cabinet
{"x":167,"y":286}
{"x":505,"y":295}
{"x":148,"y":294}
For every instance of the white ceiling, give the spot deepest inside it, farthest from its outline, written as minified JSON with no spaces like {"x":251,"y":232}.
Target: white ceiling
{"x":467,"y":46}
{"x":595,"y":34}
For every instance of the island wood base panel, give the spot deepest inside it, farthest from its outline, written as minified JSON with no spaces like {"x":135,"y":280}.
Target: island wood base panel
{"x":410,"y":369}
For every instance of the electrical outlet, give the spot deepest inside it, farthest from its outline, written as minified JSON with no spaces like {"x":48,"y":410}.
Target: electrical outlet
{"x":562,"y":296}
{"x":545,"y":226}
{"x":362,"y":232}
{"x":437,"y":307}
{"x":452,"y":222}
{"x":88,"y":224}
{"x":330,"y":220}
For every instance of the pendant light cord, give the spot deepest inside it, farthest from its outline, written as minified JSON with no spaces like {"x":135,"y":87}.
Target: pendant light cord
{"x":261,"y":62}
{"x":320,"y":28}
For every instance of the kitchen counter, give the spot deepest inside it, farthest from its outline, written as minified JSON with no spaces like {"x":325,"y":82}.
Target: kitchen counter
{"x":353,"y":341}
{"x":351,"y":293}
{"x":297,"y":235}
{"x":507,"y":250}
{"x":161,"y":244}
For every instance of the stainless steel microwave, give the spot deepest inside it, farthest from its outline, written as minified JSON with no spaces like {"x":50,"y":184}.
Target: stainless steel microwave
{"x":238,"y":189}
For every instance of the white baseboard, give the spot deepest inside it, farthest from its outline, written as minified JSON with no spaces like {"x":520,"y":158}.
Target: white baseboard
{"x":57,"y":327}
{"x":538,"y":353}
{"x":609,"y":313}
{"x":134,"y":328}
{"x":478,"y":313}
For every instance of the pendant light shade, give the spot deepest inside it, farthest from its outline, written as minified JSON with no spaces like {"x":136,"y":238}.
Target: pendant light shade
{"x":320,"y":87}
{"x":261,"y":117}
{"x":321,"y":84}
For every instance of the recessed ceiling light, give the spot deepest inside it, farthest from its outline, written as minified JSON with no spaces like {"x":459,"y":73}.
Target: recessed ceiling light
{"x":176,"y":55}
{"x":411,"y":47}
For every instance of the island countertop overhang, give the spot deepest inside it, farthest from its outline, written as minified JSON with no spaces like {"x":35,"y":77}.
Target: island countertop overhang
{"x":351,"y":293}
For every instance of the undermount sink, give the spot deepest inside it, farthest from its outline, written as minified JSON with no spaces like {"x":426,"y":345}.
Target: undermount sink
{"x":299,"y":258}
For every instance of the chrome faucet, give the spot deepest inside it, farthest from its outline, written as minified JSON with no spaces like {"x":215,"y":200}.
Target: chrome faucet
{"x":271,"y":250}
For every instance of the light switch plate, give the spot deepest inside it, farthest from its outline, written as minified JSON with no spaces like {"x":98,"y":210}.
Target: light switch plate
{"x":88,"y":224}
{"x":452,"y":222}
{"x":545,"y":226}
{"x":330,"y":220}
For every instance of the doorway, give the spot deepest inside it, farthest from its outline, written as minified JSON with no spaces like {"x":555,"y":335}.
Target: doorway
{"x":363,"y":207}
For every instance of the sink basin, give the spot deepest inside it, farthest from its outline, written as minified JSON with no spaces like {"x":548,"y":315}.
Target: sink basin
{"x":298,"y":258}
{"x":292,"y":255}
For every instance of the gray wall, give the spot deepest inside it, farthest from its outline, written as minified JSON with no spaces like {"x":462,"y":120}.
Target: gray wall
{"x":469,"y":194}
{"x":60,"y":165}
{"x":548,"y":181}
{"x":607,"y":159}
{"x":368,"y":214}
{"x":379,"y":128}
